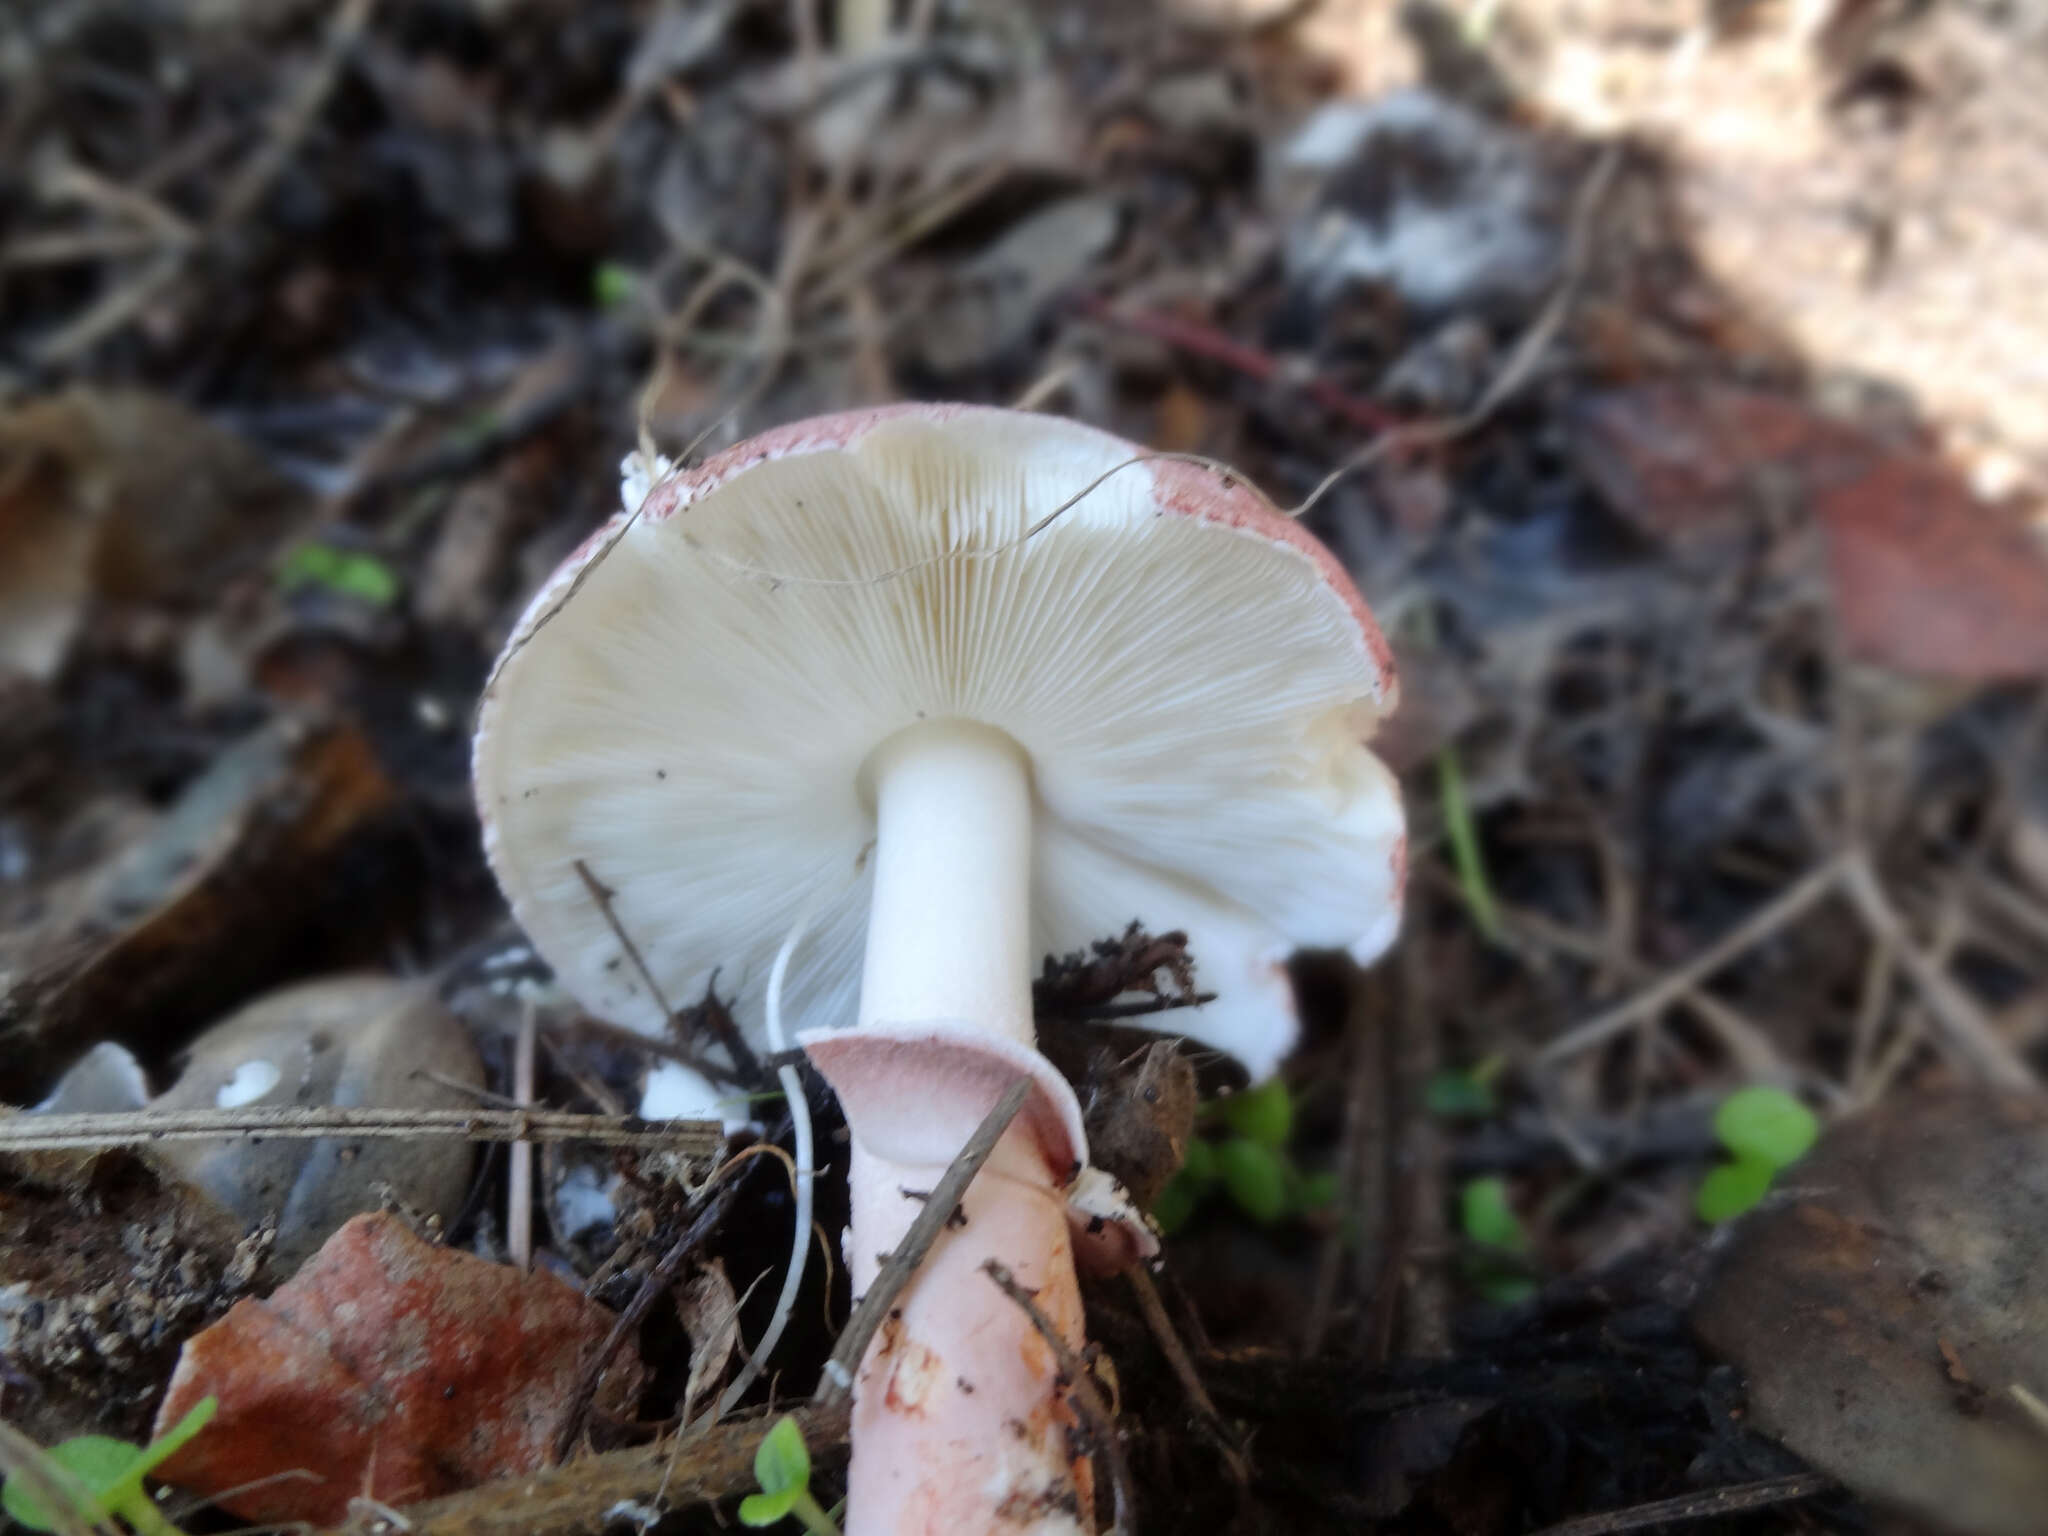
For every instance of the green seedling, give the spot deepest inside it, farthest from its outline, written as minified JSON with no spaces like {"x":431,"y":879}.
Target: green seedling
{"x":1463,"y":837}
{"x":1489,"y":1219}
{"x":1264,"y":1114}
{"x":348,"y":573}
{"x":1256,"y":1176}
{"x":1465,"y":1093}
{"x":99,"y":1478}
{"x":782,"y":1466}
{"x":1250,"y":1163}
{"x":1765,"y":1131}
{"x":612,"y":285}
{"x":1498,"y":1266}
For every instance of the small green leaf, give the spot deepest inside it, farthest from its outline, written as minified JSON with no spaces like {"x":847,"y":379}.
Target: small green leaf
{"x":1488,"y":1218}
{"x":104,"y":1472}
{"x":1459,"y":1096}
{"x":22,"y":1496}
{"x":1256,"y":1177}
{"x":1199,"y":1166}
{"x":1265,"y":1113}
{"x":1176,"y":1203}
{"x":98,"y":1461}
{"x":1314,"y":1191}
{"x":611,"y":285}
{"x":768,"y":1508}
{"x":1504,"y":1289}
{"x":347,"y":572}
{"x":1729,"y":1190}
{"x":782,"y":1464}
{"x":1766,"y":1124}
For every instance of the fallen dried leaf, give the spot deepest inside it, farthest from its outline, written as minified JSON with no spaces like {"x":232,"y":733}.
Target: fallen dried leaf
{"x":1884,"y":1307}
{"x":1693,"y":463}
{"x":190,"y":918}
{"x":386,"y":1367}
{"x":710,"y":1313}
{"x":1926,"y":578}
{"x":124,"y":495}
{"x":1929,"y":580}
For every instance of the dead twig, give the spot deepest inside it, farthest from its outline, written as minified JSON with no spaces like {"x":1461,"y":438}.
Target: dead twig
{"x":1696,"y":1506}
{"x":1205,"y":341}
{"x":1425,"y":1308}
{"x":1748,"y":1045}
{"x":1088,"y":1401}
{"x":1775,"y":914}
{"x":744,"y":1061}
{"x":1210,"y":1421}
{"x":837,"y":1377}
{"x":519,"y":1174}
{"x":103,"y":1132}
{"x":1361,"y":1201}
{"x":712,"y":1204}
{"x":1969,"y":1033}
{"x":121,"y":304}
{"x":589,"y":1494}
{"x":1521,"y":361}
{"x":291,"y":124}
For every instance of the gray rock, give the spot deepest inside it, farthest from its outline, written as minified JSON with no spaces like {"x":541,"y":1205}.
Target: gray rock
{"x":348,"y":1041}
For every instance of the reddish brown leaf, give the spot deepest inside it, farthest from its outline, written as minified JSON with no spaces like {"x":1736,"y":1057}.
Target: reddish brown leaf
{"x":1687,"y":462}
{"x":1925,"y":578}
{"x":386,"y":1367}
{"x":1929,"y":580}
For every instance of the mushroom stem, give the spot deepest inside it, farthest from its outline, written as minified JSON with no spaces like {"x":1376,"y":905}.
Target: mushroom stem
{"x":949,"y":934}
{"x":960,"y":1424}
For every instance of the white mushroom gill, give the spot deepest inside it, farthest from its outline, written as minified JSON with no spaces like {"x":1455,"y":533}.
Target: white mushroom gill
{"x":1189,"y":699}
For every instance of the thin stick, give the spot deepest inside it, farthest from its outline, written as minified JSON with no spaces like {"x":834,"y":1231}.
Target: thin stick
{"x":1696,"y":1506}
{"x":743,"y":1059}
{"x":1967,"y":1029}
{"x":1361,"y":1202}
{"x":1667,"y":989}
{"x":1521,"y":362}
{"x":519,"y":1171}
{"x":1154,"y":1311}
{"x":1168,"y":1340}
{"x":291,"y":125}
{"x":711,"y":1463}
{"x":717,"y":1199}
{"x":102,"y":1132}
{"x":1747,"y":1043}
{"x":1094,"y":1412}
{"x":837,"y":1377}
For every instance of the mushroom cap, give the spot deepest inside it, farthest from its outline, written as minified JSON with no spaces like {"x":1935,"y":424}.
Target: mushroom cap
{"x":688,"y":706}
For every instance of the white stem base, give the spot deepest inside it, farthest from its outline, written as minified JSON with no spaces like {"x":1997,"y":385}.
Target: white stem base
{"x":960,"y":1427}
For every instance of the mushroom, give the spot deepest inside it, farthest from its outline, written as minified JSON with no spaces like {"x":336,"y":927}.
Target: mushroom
{"x":954,"y":687}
